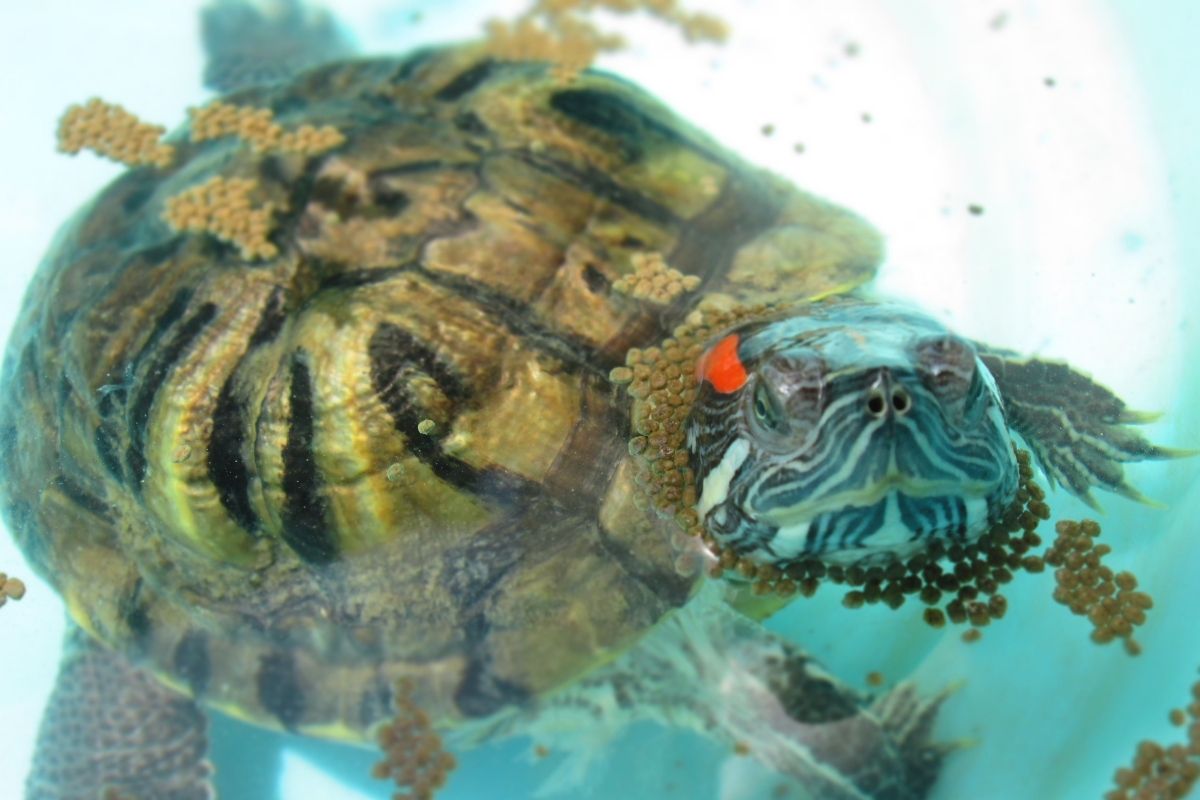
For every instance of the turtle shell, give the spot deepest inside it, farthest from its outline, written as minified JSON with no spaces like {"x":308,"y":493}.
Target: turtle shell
{"x":391,"y":449}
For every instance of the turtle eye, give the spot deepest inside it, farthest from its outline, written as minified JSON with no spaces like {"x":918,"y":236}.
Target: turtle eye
{"x":947,"y":365}
{"x":789,"y":394}
{"x":766,"y":411}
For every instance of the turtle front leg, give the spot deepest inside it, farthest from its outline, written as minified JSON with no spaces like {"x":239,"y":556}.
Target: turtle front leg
{"x":1077,"y":429}
{"x":112,"y":732}
{"x":712,"y":670}
{"x":248,"y":43}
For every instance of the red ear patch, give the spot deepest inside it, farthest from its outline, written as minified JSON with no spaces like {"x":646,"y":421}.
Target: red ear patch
{"x":721,"y":366}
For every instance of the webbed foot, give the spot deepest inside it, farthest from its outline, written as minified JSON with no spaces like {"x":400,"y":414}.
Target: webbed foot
{"x":250,"y":43}
{"x":1077,"y":429}
{"x":112,"y":731}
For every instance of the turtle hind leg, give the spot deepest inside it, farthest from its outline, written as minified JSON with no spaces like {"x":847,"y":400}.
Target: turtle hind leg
{"x":908,"y":719}
{"x":112,"y":732}
{"x":710,"y":669}
{"x":253,"y":43}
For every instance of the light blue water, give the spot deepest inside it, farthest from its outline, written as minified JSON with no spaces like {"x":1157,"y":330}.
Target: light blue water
{"x":1086,"y":251}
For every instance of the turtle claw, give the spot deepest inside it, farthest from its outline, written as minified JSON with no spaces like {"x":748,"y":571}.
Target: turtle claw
{"x":908,"y":720}
{"x":1131,"y":417}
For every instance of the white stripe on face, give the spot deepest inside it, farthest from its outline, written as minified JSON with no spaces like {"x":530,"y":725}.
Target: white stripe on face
{"x":716,"y":482}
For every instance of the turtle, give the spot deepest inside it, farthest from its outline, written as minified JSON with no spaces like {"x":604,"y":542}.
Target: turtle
{"x":408,"y":450}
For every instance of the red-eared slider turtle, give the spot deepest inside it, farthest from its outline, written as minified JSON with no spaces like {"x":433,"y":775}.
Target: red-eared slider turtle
{"x":423,"y":398}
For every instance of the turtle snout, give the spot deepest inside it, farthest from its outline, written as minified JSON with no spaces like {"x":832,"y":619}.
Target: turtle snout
{"x":887,"y":396}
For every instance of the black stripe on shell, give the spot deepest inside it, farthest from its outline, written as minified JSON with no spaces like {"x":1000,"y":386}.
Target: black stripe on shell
{"x":466,"y":81}
{"x":279,"y":689}
{"x":603,"y":186}
{"x":515,"y":316}
{"x":154,"y":378}
{"x":482,"y":692}
{"x":596,"y":282}
{"x":336,"y":194}
{"x":174,"y":312}
{"x":106,"y":448}
{"x":668,"y":585}
{"x":65,"y":390}
{"x":518,"y":318}
{"x":396,"y":356}
{"x":411,"y":63}
{"x":709,"y":242}
{"x":135,"y":614}
{"x":271,"y":321}
{"x":305,"y":510}
{"x":227,"y":460}
{"x":613,"y":114}
{"x":386,"y":200}
{"x":358,"y":278}
{"x":81,"y":498}
{"x":469,"y":123}
{"x":191,"y":661}
{"x":381,"y":175}
{"x":471,"y":573}
{"x":114,"y":395}
{"x":581,"y":473}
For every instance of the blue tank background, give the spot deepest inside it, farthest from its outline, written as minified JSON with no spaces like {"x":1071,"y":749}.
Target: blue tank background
{"x":1071,"y":123}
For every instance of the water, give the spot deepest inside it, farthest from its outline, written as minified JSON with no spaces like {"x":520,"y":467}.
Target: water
{"x":1069,"y":124}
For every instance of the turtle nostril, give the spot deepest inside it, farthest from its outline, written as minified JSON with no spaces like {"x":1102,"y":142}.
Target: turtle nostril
{"x":875,"y":403}
{"x":901,"y":401}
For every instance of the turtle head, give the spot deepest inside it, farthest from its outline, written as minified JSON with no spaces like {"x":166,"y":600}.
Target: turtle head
{"x":851,"y":434}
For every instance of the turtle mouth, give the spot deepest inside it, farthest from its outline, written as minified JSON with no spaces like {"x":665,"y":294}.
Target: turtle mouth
{"x":894,"y":526}
{"x":893,"y":517}
{"x":892,"y":483}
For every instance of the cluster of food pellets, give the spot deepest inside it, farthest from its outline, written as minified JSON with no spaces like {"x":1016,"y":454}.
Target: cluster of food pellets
{"x":414,"y":756}
{"x":221,"y":206}
{"x":654,"y":281}
{"x":258,"y":127}
{"x":569,"y":43}
{"x":558,"y":31}
{"x":1164,"y":773}
{"x":960,"y":583}
{"x":113,"y":132}
{"x":1110,"y":601}
{"x":10,"y":588}
{"x":662,"y":382}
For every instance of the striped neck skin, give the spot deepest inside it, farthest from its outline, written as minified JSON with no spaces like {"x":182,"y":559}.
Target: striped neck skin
{"x":851,"y":434}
